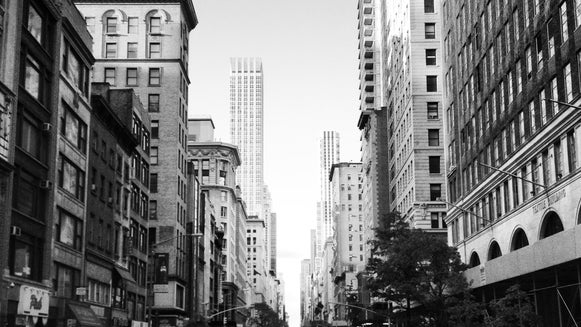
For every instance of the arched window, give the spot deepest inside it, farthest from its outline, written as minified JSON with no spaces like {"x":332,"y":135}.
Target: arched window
{"x":494,"y":251}
{"x":551,"y":225}
{"x":474,"y":260}
{"x":579,"y":216}
{"x":519,"y":240}
{"x":112,"y":20}
{"x":155,"y":20}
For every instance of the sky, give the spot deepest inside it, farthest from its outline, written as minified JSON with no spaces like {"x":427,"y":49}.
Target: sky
{"x":309,"y":55}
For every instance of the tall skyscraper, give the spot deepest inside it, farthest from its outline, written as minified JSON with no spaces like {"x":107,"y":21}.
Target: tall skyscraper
{"x":144,"y":45}
{"x":246,"y":128}
{"x":329,"y":155}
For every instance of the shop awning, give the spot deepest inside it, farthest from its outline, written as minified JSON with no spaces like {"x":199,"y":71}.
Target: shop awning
{"x":125,"y":275}
{"x":85,"y":315}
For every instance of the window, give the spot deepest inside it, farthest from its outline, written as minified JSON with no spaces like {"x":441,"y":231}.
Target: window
{"x":435,"y":220}
{"x":74,"y":129}
{"x":154,"y":50}
{"x":153,"y":155}
{"x":433,"y":137}
{"x":568,"y":84}
{"x":155,"y":129}
{"x":71,"y":178}
{"x":35,"y":24}
{"x":154,"y":76}
{"x":431,"y":83}
{"x":131,"y":79}
{"x":550,"y":38}
{"x":153,"y":183}
{"x":435,"y":192}
{"x":528,"y":62}
{"x":430,"y":30}
{"x":152,"y":210}
{"x":543,"y":104}
{"x":132,"y":50}
{"x":433,"y":110}
{"x":32,"y":78}
{"x":430,"y":57}
{"x":153,"y":102}
{"x":563,"y":19}
{"x":558,"y":160}
{"x":532,"y":117}
{"x":26,"y":256}
{"x":29,"y":137}
{"x":577,"y":13}
{"x":428,"y":6}
{"x":132,"y":24}
{"x":98,"y":292}
{"x":110,"y":76}
{"x":539,"y":44}
{"x":75,"y":69}
{"x":554,"y":95}
{"x":69,"y":230}
{"x":111,"y":25}
{"x":111,"y":50}
{"x":65,"y":281}
{"x":155,"y":25}
{"x":571,"y":151}
{"x":434,"y":163}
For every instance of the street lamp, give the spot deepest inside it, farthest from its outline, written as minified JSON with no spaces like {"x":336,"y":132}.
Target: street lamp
{"x":151,"y":249}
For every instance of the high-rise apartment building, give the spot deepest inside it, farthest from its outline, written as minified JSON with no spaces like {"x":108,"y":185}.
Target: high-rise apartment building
{"x":144,"y":45}
{"x":373,"y":29}
{"x":513,"y":150}
{"x":247,"y":128}
{"x":329,"y":154}
{"x":414,"y":113}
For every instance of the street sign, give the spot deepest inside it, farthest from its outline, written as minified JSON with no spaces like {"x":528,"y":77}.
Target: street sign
{"x":81,"y":291}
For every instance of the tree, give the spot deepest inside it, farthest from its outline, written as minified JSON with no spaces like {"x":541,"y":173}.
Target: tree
{"x":267,"y":317}
{"x":415,"y":270}
{"x":514,"y":309}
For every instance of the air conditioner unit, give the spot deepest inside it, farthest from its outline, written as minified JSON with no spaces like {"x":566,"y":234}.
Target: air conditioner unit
{"x":93,"y":187}
{"x":433,"y":116}
{"x":46,"y":127}
{"x":14,"y":230}
{"x":110,"y":200}
{"x":46,"y":184}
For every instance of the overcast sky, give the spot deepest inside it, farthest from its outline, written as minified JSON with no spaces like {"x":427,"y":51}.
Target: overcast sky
{"x":309,"y":54}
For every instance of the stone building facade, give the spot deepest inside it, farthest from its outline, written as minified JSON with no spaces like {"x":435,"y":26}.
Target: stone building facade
{"x":511,"y":74}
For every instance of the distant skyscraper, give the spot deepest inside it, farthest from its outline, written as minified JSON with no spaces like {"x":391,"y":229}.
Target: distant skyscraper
{"x":329,"y":155}
{"x":246,"y":128}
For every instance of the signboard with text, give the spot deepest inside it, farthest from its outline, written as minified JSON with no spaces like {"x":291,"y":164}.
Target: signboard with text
{"x":33,"y":301}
